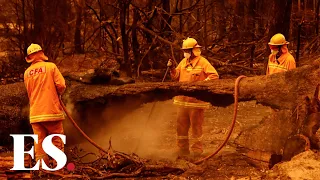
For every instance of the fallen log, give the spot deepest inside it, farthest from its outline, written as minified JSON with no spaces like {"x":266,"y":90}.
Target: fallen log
{"x":280,"y":91}
{"x":284,"y":92}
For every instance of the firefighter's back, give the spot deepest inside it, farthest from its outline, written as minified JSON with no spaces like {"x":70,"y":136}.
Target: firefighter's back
{"x":44,"y":101}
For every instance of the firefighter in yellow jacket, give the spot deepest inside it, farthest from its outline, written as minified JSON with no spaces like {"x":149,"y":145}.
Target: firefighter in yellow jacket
{"x":280,"y":60}
{"x":44,"y":84}
{"x":192,"y":68}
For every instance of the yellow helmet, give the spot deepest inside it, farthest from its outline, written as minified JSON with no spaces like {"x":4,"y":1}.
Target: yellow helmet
{"x":190,"y":43}
{"x":33,"y":48}
{"x":277,"y":40}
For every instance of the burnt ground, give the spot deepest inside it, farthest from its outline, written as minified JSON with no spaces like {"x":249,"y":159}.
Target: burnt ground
{"x":158,"y":140}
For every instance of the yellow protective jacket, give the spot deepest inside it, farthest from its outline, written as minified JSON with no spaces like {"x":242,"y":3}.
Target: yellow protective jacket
{"x":285,"y":62}
{"x":43,"y":82}
{"x":199,"y":69}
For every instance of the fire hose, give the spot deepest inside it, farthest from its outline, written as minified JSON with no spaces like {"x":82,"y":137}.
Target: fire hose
{"x":79,"y":129}
{"x":235,"y":110}
{"x":236,"y":89}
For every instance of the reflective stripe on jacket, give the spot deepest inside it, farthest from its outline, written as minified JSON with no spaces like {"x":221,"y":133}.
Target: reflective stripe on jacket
{"x":286,"y":62}
{"x":190,"y":102}
{"x":42,"y":81}
{"x":198,"y":70}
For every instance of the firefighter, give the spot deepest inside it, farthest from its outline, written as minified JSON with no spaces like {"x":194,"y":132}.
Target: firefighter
{"x":192,"y":68}
{"x":280,"y":60}
{"x":44,"y":84}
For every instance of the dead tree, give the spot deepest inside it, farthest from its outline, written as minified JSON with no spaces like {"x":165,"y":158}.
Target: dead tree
{"x":280,"y":22}
{"x":38,"y":21}
{"x":134,"y":42}
{"x":126,"y":63}
{"x":77,"y":34}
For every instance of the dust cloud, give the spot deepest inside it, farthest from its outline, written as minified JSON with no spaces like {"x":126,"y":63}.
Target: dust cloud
{"x":130,"y":130}
{"x":125,"y":124}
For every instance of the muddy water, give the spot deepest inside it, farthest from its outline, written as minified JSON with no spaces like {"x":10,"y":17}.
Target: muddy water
{"x":158,"y":135}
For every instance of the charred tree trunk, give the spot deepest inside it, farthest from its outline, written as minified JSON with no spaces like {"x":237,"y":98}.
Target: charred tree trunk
{"x":189,"y":20}
{"x":135,"y":43}
{"x":204,"y":36}
{"x":237,"y":22}
{"x":251,"y":28}
{"x":287,"y":19}
{"x":181,"y":17}
{"x":38,"y":22}
{"x":317,"y":17}
{"x":165,"y":25}
{"x":150,"y":20}
{"x":298,"y":44}
{"x":77,"y":34}
{"x":25,"y":27}
{"x":259,"y":16}
{"x":198,"y":24}
{"x":305,"y":7}
{"x":125,"y":66}
{"x":241,"y":26}
{"x":237,"y":28}
{"x":299,"y":6}
{"x":220,"y":19}
{"x":281,"y":20}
